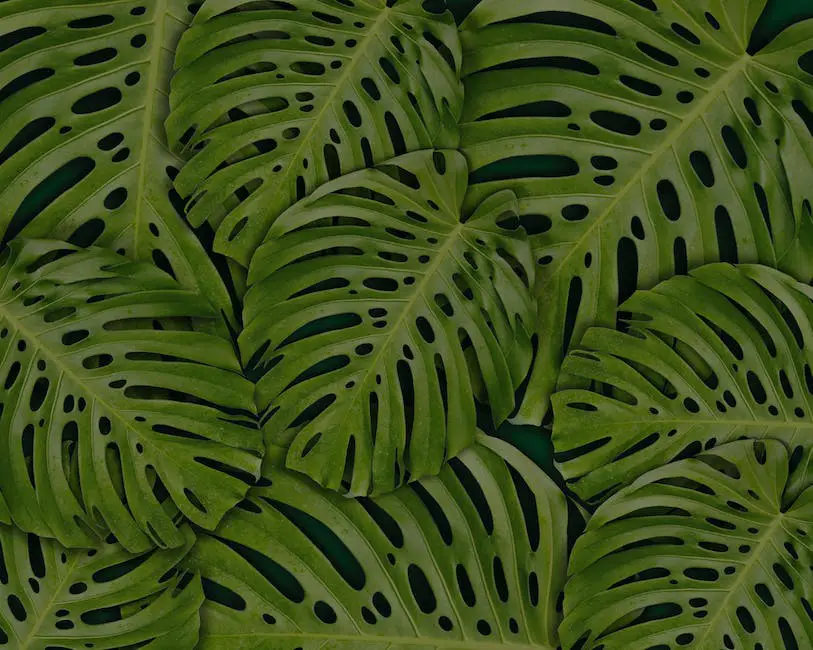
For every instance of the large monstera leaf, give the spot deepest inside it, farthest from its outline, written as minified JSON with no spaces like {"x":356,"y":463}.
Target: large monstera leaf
{"x":699,"y":360}
{"x":702,"y":553}
{"x":110,"y":419}
{"x":376,"y":314}
{"x":472,"y":558}
{"x":273,"y":99}
{"x":83,"y":156}
{"x":105,"y":598}
{"x":642,"y":139}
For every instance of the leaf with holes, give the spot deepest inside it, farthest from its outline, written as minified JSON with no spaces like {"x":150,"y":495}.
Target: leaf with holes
{"x":113,"y":416}
{"x":105,"y":598}
{"x":699,"y":360}
{"x":372,"y":313}
{"x":83,"y":156}
{"x":472,"y":558}
{"x":701,"y":553}
{"x":273,"y":99}
{"x":642,"y":138}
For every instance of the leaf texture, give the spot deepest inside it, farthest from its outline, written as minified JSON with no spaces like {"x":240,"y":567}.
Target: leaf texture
{"x":83,"y":155}
{"x":642,"y":138}
{"x":702,"y":553}
{"x":373,"y":314}
{"x":473,"y":558}
{"x":105,"y":598}
{"x":697,"y":361}
{"x":273,"y":99}
{"x":114,"y":415}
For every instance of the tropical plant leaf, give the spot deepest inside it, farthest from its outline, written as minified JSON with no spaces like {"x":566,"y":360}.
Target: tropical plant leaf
{"x":697,"y":361}
{"x":104,"y":598}
{"x":701,"y":553}
{"x":367,"y":303}
{"x":642,"y":138}
{"x":472,"y":558}
{"x":273,"y":99}
{"x":108,"y":421}
{"x":83,"y":156}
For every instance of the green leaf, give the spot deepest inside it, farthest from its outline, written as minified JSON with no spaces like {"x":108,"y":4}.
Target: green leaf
{"x":473,"y":558}
{"x":271,"y":100}
{"x":83,"y":156}
{"x":367,"y":304}
{"x":698,"y":554}
{"x":110,"y":420}
{"x":106,"y":598}
{"x":5,"y":513}
{"x":697,"y":361}
{"x":642,"y":139}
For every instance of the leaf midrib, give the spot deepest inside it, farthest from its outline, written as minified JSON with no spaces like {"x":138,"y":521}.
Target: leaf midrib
{"x":71,"y":374}
{"x":417,"y":293}
{"x":457,"y":644}
{"x":768,"y":536}
{"x":713,"y":93}
{"x":304,"y":142}
{"x":161,"y":14}
{"x":34,"y":630}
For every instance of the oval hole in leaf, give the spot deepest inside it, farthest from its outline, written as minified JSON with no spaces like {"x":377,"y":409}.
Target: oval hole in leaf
{"x":539,"y":166}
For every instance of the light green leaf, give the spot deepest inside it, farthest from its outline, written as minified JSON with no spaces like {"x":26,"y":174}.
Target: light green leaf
{"x":109,"y":421}
{"x":642,"y":139}
{"x":698,"y":554}
{"x":369,"y":307}
{"x":472,"y":559}
{"x":83,"y":155}
{"x":107,"y":598}
{"x":697,"y":361}
{"x":273,"y":99}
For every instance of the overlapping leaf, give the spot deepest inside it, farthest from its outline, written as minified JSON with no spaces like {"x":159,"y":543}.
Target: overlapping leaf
{"x":367,"y":305}
{"x":83,"y":157}
{"x":697,"y":361}
{"x":702,"y":553}
{"x":114,"y":416}
{"x":642,"y":138}
{"x":105,"y":598}
{"x":472,"y":558}
{"x":273,"y":99}
{"x":390,"y":306}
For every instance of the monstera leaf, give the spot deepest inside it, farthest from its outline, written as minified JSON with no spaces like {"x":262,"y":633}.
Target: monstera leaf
{"x":642,"y":138}
{"x":273,"y":99}
{"x":472,"y":558}
{"x":104,"y":598}
{"x":702,"y":553}
{"x":108,"y":421}
{"x":697,"y":361}
{"x":83,"y":157}
{"x":367,"y":304}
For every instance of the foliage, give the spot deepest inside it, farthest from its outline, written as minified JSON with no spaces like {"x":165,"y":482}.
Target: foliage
{"x":642,"y":138}
{"x":273,"y":99}
{"x":700,"y":553}
{"x":365,"y":304}
{"x":697,"y":361}
{"x":83,"y":155}
{"x":290,"y":288}
{"x":472,"y":558}
{"x":103,"y":598}
{"x":115,"y":416}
